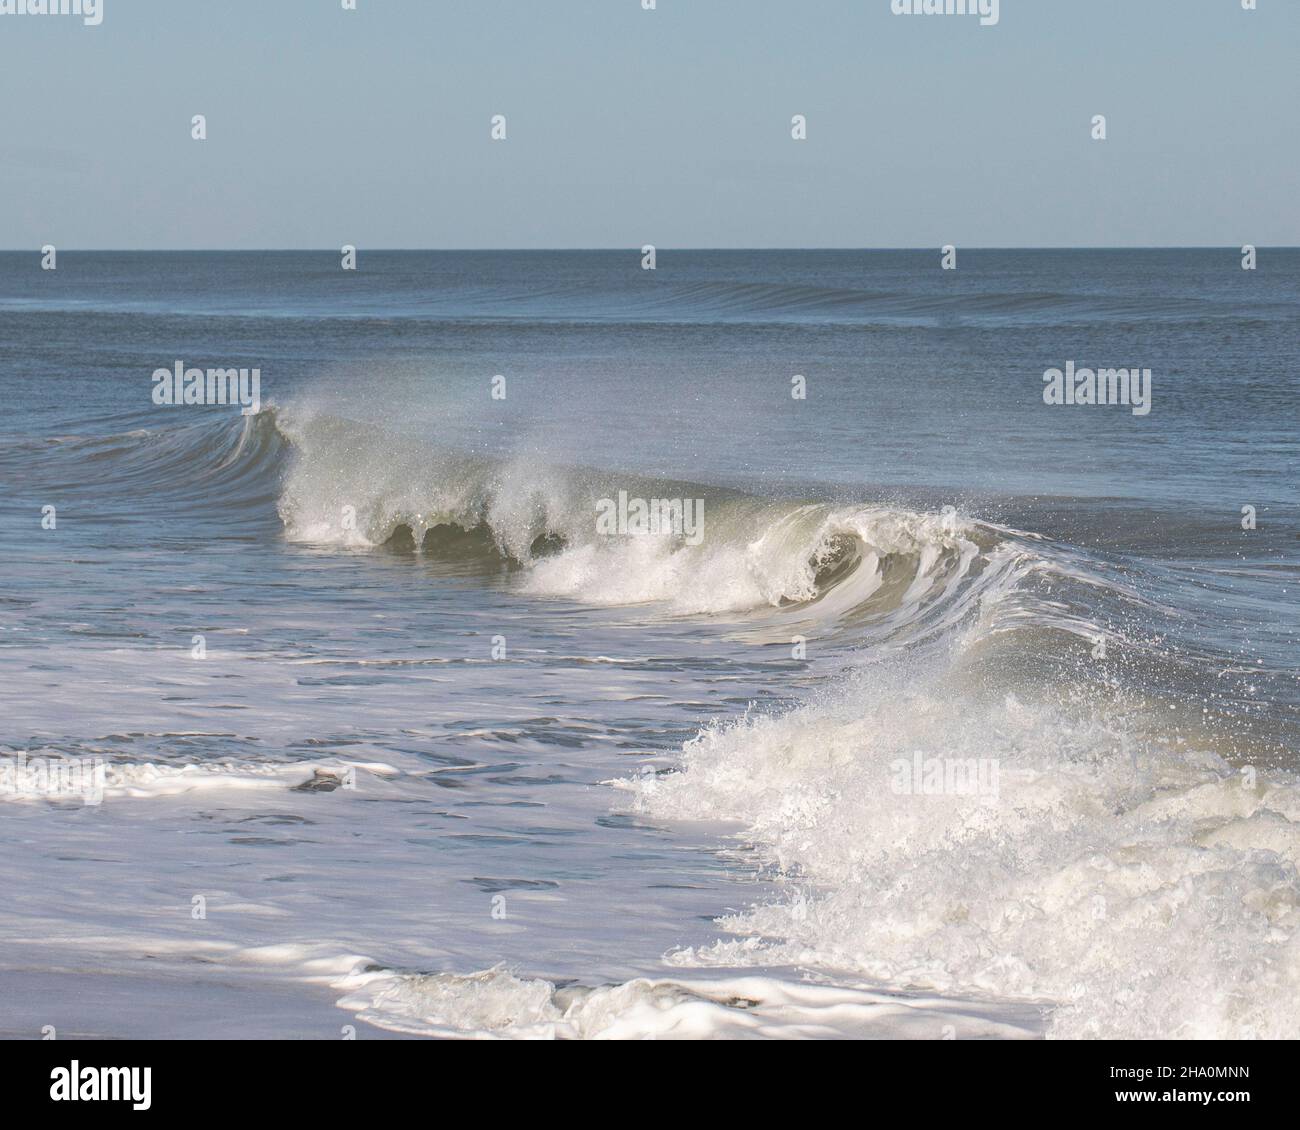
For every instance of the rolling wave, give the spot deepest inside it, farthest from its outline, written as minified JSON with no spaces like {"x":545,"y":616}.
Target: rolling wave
{"x":885,"y":574}
{"x":875,"y":575}
{"x":897,"y":570}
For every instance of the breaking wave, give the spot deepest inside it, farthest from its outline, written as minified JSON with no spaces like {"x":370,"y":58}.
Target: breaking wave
{"x":1120,"y":871}
{"x":826,"y":561}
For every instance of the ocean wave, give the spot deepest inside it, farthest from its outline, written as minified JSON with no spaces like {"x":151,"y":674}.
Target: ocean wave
{"x":820,"y":561}
{"x":215,"y":463}
{"x":876,"y":574}
{"x":1135,"y":882}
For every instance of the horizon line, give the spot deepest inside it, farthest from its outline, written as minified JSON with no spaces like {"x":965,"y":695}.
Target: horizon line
{"x":633,"y":249}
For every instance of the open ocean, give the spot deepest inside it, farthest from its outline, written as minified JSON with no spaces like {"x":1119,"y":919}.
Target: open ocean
{"x":393,"y":734}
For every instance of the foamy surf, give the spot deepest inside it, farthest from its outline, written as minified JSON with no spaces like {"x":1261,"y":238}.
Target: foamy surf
{"x":40,"y":777}
{"x":1135,"y":886}
{"x":495,"y":1004}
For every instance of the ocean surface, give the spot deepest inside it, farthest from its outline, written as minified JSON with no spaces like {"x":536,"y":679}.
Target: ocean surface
{"x":964,"y":714}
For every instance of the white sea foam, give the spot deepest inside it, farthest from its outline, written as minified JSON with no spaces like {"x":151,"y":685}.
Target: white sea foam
{"x":158,"y":779}
{"x":761,"y":560}
{"x":496,"y":1004}
{"x":1140,"y":887}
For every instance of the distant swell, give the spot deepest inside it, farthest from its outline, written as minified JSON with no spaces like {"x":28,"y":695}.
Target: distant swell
{"x":702,"y":302}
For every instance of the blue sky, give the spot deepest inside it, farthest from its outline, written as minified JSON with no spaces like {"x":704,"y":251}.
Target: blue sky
{"x":669,"y":126}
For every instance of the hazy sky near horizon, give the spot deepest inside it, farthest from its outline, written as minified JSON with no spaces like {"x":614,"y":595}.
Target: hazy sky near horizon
{"x":671,"y":126}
